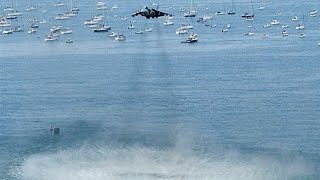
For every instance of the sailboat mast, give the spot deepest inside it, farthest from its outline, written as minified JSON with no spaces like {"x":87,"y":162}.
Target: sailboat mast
{"x":252,"y":7}
{"x":233,"y":7}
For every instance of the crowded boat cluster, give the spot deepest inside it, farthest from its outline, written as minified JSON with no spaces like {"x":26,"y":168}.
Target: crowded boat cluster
{"x":14,"y":19}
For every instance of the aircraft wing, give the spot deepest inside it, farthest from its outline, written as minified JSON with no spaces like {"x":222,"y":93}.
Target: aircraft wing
{"x":160,"y":13}
{"x":136,"y":14}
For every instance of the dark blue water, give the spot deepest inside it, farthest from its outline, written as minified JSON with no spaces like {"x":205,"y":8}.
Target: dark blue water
{"x":229,"y":107}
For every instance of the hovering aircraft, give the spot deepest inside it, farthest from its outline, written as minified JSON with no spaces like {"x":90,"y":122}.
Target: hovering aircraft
{"x":150,"y":13}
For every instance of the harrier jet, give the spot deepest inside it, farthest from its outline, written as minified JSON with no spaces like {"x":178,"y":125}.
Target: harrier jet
{"x":150,"y":13}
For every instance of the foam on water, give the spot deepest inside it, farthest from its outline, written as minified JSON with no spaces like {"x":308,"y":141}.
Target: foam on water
{"x":92,"y":162}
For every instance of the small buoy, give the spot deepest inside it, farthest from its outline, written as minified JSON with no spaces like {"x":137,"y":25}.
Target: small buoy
{"x":56,"y":131}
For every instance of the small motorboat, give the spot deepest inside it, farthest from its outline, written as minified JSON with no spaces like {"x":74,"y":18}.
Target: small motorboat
{"x":69,"y":40}
{"x":191,"y":39}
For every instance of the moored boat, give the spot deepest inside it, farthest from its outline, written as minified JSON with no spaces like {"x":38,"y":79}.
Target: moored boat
{"x":192,"y":38}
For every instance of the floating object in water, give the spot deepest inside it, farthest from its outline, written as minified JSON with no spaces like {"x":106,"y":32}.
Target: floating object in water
{"x":295,"y":18}
{"x":120,"y":37}
{"x":148,"y":29}
{"x":69,"y":40}
{"x":191,"y":39}
{"x":139,"y":32}
{"x":302,"y":35}
{"x":56,"y":131}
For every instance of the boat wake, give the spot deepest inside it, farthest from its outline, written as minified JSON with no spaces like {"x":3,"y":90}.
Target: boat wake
{"x":92,"y":162}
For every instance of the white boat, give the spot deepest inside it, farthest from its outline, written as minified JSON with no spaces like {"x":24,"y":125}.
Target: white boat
{"x":249,"y":33}
{"x":98,"y":17}
{"x":31,"y":8}
{"x":148,"y":29}
{"x":192,"y":38}
{"x":220,"y":13}
{"x":313,"y":13}
{"x":58,"y":4}
{"x":266,"y":25}
{"x":34,"y":25}
{"x":295,"y":18}
{"x":32,"y":31}
{"x":120,"y":37}
{"x":17,"y":29}
{"x":228,"y":26}
{"x":66,"y":31}
{"x":69,"y":40}
{"x":7,"y":31}
{"x":139,"y":32}
{"x":264,"y":36}
{"x":71,"y":13}
{"x":275,"y":22}
{"x":284,"y":33}
{"x":249,"y":19}
{"x":232,"y":11}
{"x":55,"y":28}
{"x":186,"y":26}
{"x":207,"y":17}
{"x":302,"y":35}
{"x":224,"y":30}
{"x":168,"y":22}
{"x":61,"y":17}
{"x":4,"y":22}
{"x":42,"y":21}
{"x":192,"y":12}
{"x":299,"y":27}
{"x":11,"y":17}
{"x":6,"y":9}
{"x":90,"y":22}
{"x":131,"y":26}
{"x":15,"y":13}
{"x":113,"y":34}
{"x":181,"y":31}
{"x":100,"y":3}
{"x":247,"y":15}
{"x":102,"y":28}
{"x":51,"y":38}
{"x":34,"y":20}
{"x":261,"y":8}
{"x":285,"y":26}
{"x":101,"y":7}
{"x":213,"y":26}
